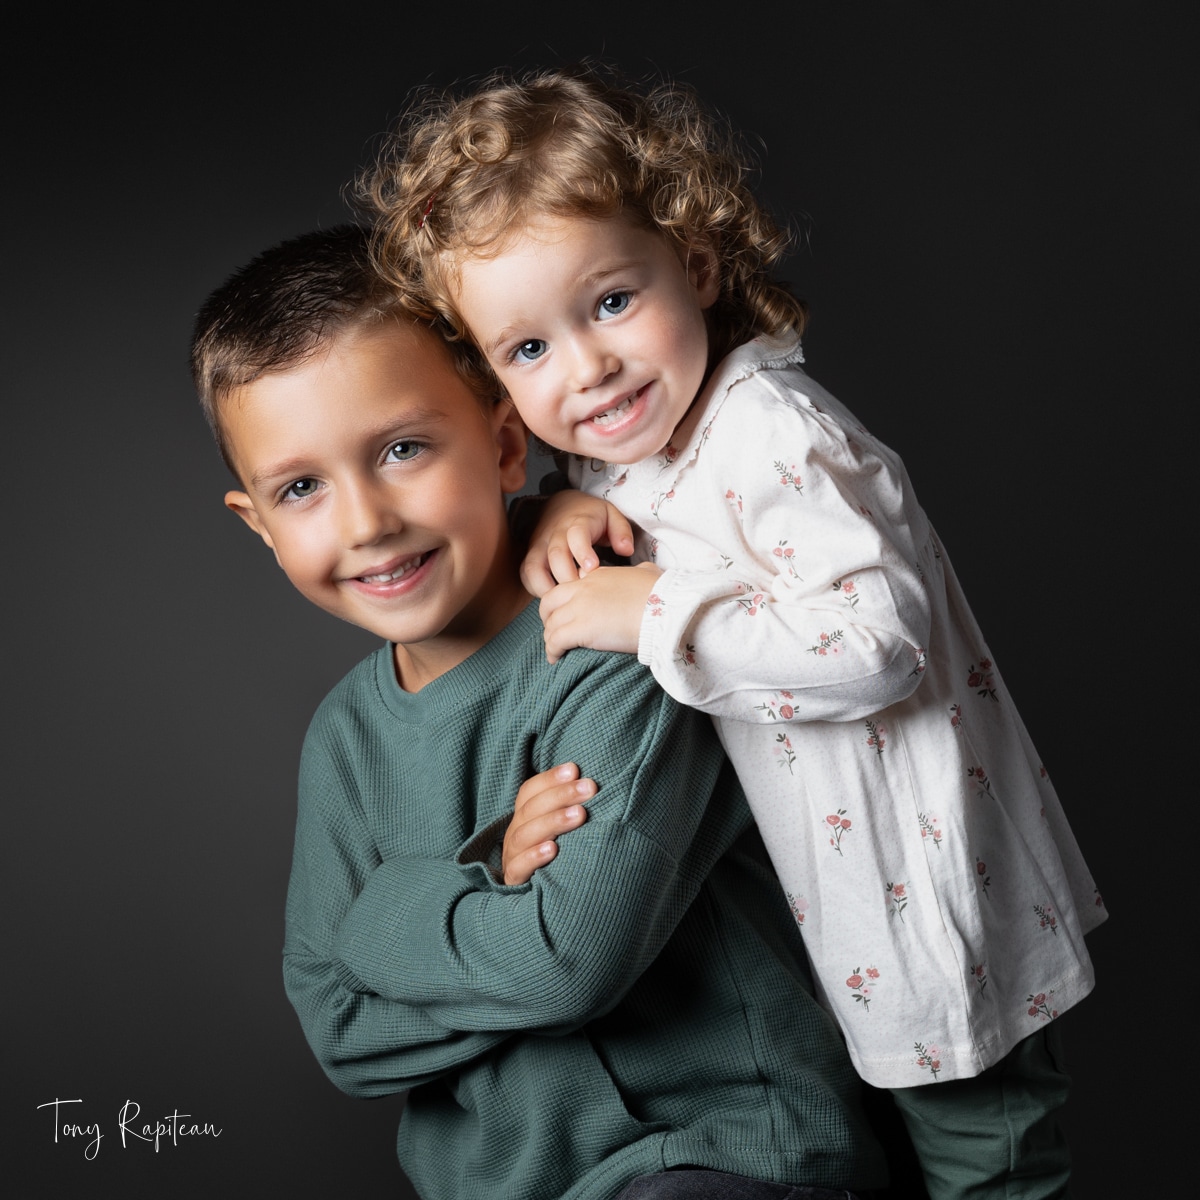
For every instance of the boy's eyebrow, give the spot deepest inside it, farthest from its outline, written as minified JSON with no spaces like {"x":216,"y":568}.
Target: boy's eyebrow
{"x":394,"y":426}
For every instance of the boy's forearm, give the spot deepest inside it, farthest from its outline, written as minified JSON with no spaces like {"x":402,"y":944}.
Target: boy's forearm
{"x":448,"y":939}
{"x":370,"y":1046}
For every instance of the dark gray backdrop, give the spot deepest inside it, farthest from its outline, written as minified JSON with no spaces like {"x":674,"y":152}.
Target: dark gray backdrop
{"x":999,"y":207}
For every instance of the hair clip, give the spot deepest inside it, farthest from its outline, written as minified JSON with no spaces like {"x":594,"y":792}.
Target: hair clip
{"x":428,"y":210}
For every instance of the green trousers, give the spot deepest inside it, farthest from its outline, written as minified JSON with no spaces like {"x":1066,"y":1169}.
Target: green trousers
{"x":995,"y":1137}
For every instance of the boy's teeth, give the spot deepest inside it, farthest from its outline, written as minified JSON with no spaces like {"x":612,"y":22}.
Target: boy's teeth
{"x":604,"y":417}
{"x":402,"y":570}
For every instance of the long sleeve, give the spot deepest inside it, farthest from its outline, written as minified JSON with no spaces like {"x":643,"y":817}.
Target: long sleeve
{"x":406,"y":963}
{"x":815,"y":607}
{"x":369,"y":1045}
{"x":474,"y":954}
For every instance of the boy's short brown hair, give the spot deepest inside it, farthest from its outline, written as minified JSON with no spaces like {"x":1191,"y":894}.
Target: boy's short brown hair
{"x":465,"y":170}
{"x":283,"y":306}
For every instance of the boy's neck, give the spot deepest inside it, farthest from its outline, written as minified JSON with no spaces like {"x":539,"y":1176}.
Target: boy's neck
{"x":418,"y":664}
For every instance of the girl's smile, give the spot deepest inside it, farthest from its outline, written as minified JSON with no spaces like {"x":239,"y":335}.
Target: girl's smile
{"x":596,"y":329}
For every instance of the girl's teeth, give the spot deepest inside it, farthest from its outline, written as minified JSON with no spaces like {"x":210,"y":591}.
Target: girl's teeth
{"x":604,"y":417}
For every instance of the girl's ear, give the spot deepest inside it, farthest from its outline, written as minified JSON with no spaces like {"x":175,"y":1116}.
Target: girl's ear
{"x":703,"y":273}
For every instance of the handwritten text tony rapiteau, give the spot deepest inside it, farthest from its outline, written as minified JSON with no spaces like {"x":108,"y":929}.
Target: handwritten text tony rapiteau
{"x":170,"y":1130}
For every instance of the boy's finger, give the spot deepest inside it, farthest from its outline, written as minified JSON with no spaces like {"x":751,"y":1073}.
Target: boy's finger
{"x":552,"y":798}
{"x":545,"y":827}
{"x":558,"y":774}
{"x":522,"y":866}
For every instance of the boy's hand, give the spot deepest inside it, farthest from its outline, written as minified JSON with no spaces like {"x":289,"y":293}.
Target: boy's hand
{"x":602,"y":610}
{"x":570,"y":525}
{"x":547,"y":805}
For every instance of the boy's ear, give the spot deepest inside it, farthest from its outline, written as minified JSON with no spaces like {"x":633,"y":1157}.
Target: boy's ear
{"x":241,"y":504}
{"x":512,"y":439}
{"x":703,"y":273}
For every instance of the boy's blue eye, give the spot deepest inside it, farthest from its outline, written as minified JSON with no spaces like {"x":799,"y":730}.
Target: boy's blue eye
{"x":301,"y":489}
{"x":403,"y":451}
{"x":529,"y":351}
{"x":613,"y":305}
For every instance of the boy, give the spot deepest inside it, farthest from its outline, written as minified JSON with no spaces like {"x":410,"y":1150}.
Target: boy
{"x":634,"y":1014}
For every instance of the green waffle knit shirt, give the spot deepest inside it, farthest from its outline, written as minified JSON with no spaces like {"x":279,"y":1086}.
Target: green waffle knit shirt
{"x":643,"y":1002}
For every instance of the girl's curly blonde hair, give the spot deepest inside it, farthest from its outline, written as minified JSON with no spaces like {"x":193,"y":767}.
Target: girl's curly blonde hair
{"x":462,"y":172}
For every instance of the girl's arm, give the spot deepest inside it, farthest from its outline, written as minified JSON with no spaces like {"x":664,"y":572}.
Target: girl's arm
{"x":812,"y":603}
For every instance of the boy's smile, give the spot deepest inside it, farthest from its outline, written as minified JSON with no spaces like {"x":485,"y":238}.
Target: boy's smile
{"x":377,"y":478}
{"x":596,"y":329}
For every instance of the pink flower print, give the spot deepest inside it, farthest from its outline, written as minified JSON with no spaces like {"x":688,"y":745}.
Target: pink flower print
{"x":875,"y":736}
{"x":788,"y":477}
{"x":929,"y":829}
{"x":654,"y":602}
{"x":857,"y":984}
{"x":979,"y":974}
{"x":687,"y":656}
{"x":734,"y":499}
{"x":661,"y":499}
{"x":827,"y":643}
{"x":1040,"y":1006}
{"x":615,"y":484}
{"x":777,"y":707}
{"x":872,"y":973}
{"x":928,"y":1058}
{"x":667,"y":457}
{"x":849,"y":591}
{"x":919,"y":665}
{"x":1046,"y":918}
{"x":839,"y":824}
{"x":956,"y":716}
{"x":982,"y":782}
{"x":799,"y":906}
{"x":981,"y":678}
{"x":897,"y":900}
{"x":787,"y":756}
{"x":786,"y":555}
{"x":985,"y":880}
{"x":751,"y":602}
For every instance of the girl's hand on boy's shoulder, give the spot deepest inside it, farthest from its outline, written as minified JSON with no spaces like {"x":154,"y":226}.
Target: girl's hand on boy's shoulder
{"x":601,"y":610}
{"x":562,"y":546}
{"x":547,"y":806}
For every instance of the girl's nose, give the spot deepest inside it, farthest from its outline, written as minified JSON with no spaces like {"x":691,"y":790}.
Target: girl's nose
{"x":594,"y":362}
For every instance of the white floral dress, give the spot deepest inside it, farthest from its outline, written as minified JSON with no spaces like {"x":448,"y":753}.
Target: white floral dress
{"x":806,"y":604}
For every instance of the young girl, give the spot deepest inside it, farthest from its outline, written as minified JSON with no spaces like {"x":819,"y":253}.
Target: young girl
{"x":600,"y":248}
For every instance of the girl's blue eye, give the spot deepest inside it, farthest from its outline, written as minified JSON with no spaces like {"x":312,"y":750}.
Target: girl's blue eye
{"x":613,"y":305}
{"x":529,"y":351}
{"x":404,"y":451}
{"x":301,"y":489}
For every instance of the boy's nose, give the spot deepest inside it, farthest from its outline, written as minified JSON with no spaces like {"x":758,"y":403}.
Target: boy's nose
{"x":368,"y":514}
